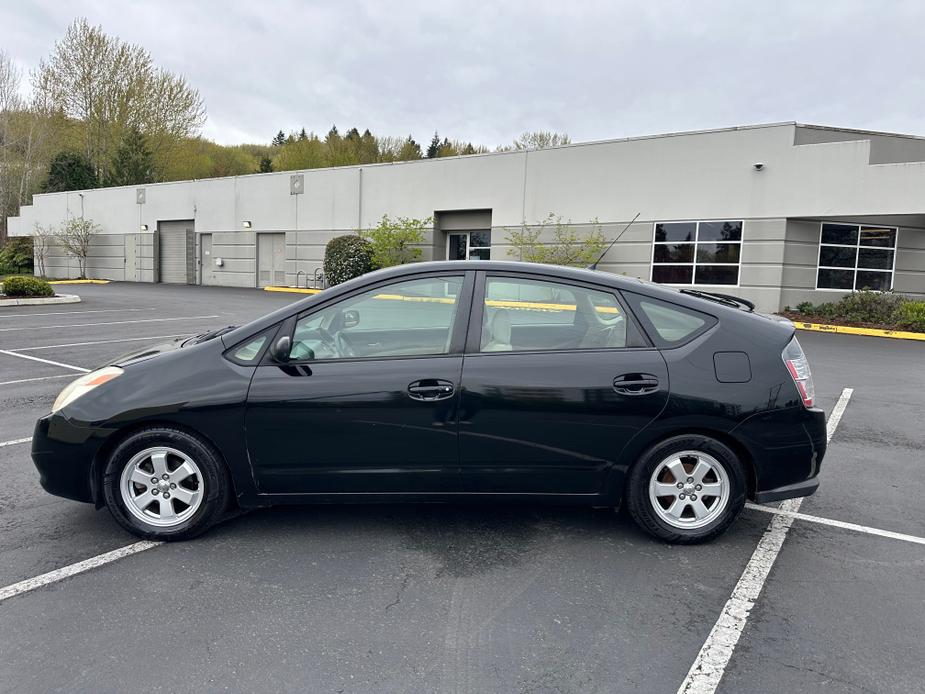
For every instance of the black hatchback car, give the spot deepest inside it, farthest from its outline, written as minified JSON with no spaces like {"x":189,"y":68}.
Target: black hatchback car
{"x":449,"y":381}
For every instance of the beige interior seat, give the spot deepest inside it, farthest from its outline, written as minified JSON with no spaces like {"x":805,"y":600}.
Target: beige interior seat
{"x":497,"y":335}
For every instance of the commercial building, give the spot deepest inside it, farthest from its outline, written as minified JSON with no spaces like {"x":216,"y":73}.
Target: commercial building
{"x":778,"y":214}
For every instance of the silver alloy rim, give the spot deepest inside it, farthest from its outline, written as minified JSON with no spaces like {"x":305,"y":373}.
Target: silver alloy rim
{"x":162,"y":487}
{"x":689,"y":489}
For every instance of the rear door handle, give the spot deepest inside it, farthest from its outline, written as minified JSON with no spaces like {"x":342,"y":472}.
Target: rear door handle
{"x":635,"y":384}
{"x":430,"y":389}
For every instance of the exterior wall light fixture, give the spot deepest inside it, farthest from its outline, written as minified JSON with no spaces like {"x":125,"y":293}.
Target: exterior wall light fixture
{"x":246,"y":224}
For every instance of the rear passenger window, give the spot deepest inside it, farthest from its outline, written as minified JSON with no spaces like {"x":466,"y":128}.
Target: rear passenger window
{"x":530,"y":315}
{"x":667,"y":323}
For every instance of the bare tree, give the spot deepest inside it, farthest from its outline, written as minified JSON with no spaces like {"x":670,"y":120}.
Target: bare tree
{"x":538,"y":139}
{"x":42,"y":237}
{"x":75,"y":236}
{"x":109,"y":86}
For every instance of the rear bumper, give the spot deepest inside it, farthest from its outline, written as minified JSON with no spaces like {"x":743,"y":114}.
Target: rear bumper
{"x":63,"y":454}
{"x":787,"y":447}
{"x":790,"y":491}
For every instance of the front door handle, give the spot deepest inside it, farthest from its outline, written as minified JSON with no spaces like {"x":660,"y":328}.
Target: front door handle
{"x":430,"y":389}
{"x":635,"y":384}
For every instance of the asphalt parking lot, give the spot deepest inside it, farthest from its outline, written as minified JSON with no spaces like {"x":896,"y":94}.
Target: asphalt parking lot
{"x":455,"y":598}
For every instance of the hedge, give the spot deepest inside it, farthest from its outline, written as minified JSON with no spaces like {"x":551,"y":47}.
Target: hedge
{"x":27,"y":287}
{"x":880,"y":309}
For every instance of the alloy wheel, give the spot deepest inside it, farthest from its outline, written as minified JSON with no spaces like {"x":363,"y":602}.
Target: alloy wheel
{"x":161,"y":486}
{"x":689,"y":489}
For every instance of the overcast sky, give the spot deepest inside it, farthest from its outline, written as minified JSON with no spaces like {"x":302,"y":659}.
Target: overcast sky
{"x":484,"y":72}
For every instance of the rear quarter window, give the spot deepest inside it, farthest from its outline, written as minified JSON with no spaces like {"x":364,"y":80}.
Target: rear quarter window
{"x":669,"y":325}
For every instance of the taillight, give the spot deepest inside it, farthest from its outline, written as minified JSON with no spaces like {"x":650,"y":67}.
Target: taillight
{"x":798,"y":366}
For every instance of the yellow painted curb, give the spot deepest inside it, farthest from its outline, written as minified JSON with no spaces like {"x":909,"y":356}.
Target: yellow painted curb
{"x":78,"y":282}
{"x":849,"y":330}
{"x":293,"y":290}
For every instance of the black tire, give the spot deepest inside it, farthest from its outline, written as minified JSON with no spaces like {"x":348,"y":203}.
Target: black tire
{"x":216,"y":497}
{"x":640,"y":505}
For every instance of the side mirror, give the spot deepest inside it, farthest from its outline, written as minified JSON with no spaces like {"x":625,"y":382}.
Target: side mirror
{"x":351,"y":318}
{"x":281,"y":348}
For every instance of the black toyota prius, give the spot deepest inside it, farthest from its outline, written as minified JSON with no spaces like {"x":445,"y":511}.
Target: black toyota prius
{"x":449,"y":381}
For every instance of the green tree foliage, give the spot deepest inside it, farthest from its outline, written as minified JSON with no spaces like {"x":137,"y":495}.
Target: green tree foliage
{"x":346,"y":257}
{"x":70,"y":171}
{"x":266,"y":164}
{"x":279,"y":139}
{"x":565,"y":245}
{"x":396,"y":241}
{"x":433,"y":149}
{"x":107,"y":86}
{"x":16,"y":255}
{"x":133,"y":163}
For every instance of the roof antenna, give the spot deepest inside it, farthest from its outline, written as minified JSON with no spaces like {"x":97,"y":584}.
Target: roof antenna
{"x":593,"y":266}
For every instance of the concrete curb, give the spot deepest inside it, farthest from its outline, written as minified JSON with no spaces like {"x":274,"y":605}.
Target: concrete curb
{"x":78,"y":282}
{"x":849,"y":330}
{"x":292,"y":290}
{"x":41,"y":300}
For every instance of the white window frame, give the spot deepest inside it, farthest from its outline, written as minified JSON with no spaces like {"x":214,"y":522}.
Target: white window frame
{"x":857,"y":249}
{"x":469,"y":247}
{"x":695,"y":243}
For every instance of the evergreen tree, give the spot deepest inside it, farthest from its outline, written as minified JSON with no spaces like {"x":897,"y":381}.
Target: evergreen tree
{"x":433,"y":150}
{"x":133,"y":163}
{"x":303,"y":135}
{"x":266,"y":164}
{"x":70,"y":171}
{"x":279,"y":139}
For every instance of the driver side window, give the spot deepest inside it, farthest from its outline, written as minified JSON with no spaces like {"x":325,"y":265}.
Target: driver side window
{"x":409,"y":318}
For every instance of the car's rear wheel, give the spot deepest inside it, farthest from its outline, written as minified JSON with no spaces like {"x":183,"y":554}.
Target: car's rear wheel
{"x":165,"y":484}
{"x":687,"y":489}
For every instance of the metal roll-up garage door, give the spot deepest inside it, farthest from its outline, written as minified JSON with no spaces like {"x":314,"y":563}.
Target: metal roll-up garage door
{"x":175,"y":240}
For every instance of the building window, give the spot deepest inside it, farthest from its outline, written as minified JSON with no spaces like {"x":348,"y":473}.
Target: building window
{"x":858,"y":257}
{"x":697,"y":253}
{"x":469,"y":245}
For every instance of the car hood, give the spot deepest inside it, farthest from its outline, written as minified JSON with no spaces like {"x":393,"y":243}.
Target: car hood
{"x":148,"y":352}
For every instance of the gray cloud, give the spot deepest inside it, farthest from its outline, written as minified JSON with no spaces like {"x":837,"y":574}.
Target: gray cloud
{"x":487,"y":71}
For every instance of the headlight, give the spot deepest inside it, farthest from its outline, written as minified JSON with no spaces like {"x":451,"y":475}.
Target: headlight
{"x":84,"y":385}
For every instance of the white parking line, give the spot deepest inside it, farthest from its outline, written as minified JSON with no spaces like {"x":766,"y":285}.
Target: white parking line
{"x":15,"y":441}
{"x":711,"y":662}
{"x":74,"y":569}
{"x":98,"y":342}
{"x":71,"y":313}
{"x":115,"y":322}
{"x":44,"y":361}
{"x":39,"y":378}
{"x":838,"y":524}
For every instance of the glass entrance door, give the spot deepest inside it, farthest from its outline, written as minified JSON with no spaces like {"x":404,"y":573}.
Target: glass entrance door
{"x":469,"y":245}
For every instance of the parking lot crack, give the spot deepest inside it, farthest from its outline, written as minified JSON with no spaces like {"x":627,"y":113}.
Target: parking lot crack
{"x":403,"y":586}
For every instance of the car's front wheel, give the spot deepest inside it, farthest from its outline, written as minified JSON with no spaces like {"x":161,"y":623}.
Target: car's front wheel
{"x":686,"y":489}
{"x":165,"y":484}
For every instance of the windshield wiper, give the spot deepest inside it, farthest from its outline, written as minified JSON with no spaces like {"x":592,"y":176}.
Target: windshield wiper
{"x":726,"y":299}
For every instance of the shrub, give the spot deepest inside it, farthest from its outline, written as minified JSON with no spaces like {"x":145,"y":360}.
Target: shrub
{"x":911,"y":315}
{"x":27,"y":287}
{"x":394,"y":240}
{"x":346,"y":257}
{"x":565,"y":247}
{"x":16,"y":255}
{"x":869,"y":307}
{"x":805,"y":307}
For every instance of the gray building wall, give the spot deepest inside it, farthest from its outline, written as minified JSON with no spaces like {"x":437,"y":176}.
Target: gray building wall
{"x":810,"y":174}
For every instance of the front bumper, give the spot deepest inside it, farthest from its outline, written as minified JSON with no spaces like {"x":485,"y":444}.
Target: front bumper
{"x":63,"y":454}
